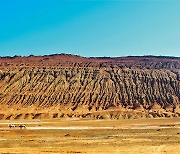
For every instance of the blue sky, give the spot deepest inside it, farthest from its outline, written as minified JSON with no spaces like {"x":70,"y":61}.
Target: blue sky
{"x":90,"y":28}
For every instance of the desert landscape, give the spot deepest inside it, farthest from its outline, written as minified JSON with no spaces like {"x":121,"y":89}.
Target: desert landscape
{"x":72,"y":104}
{"x":69,"y":135}
{"x":60,"y":86}
{"x":89,"y":76}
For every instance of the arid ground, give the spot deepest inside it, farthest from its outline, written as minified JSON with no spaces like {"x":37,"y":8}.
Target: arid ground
{"x":91,"y":136}
{"x":74,"y":104}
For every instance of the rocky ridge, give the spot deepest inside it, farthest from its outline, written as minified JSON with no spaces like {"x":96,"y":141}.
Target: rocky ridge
{"x":57,"y":86}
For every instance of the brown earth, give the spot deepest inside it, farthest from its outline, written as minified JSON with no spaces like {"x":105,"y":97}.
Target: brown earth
{"x":147,"y":136}
{"x":60,"y":86}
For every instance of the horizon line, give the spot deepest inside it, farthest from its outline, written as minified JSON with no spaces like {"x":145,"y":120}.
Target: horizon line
{"x":69,"y":54}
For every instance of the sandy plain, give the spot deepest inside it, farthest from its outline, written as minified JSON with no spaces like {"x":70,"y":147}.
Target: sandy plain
{"x":149,"y":136}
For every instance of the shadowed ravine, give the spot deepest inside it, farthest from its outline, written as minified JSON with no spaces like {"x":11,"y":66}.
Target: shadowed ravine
{"x":59,"y":86}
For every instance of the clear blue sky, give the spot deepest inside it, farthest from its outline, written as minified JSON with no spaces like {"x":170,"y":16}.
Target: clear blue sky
{"x":90,"y":28}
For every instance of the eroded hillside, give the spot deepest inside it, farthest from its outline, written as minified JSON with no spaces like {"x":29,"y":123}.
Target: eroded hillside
{"x":72,"y":86}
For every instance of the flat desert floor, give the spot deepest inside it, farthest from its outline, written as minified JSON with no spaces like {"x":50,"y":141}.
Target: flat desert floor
{"x":91,"y":136}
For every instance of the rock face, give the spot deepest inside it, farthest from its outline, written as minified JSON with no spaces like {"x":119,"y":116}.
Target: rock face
{"x":72,"y":86}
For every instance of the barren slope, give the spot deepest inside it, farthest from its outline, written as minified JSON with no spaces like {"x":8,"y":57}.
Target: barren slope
{"x":72,"y":86}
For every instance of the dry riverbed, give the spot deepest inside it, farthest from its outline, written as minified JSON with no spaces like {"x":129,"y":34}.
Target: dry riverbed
{"x":91,"y":136}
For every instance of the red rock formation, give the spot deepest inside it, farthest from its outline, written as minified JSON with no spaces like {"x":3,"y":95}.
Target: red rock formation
{"x":74,"y":86}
